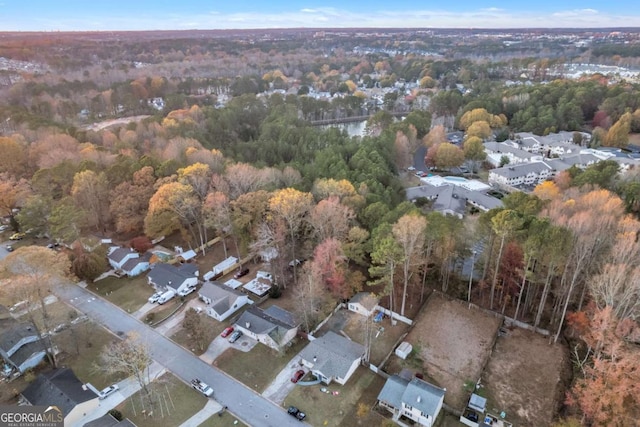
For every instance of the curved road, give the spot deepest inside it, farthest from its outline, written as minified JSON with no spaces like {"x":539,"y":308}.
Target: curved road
{"x":249,"y":406}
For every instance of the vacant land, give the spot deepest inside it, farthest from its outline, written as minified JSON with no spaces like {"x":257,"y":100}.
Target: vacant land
{"x":127,"y":293}
{"x":383,"y":334}
{"x":454,"y":343}
{"x":328,"y":409}
{"x":175,"y":403}
{"x":250,"y":367}
{"x":524,"y":378}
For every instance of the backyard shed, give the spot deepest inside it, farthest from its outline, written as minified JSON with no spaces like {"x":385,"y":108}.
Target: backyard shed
{"x":403,"y":350}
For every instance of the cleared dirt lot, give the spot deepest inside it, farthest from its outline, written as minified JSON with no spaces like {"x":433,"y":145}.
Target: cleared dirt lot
{"x":524,"y":377}
{"x":454,"y":343}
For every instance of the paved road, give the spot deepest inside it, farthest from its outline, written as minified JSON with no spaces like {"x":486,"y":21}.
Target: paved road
{"x":243,"y":402}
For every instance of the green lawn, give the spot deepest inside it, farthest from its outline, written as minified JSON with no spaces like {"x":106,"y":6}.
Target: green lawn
{"x":127,"y":293}
{"x":212,"y":328}
{"x":175,"y":402}
{"x":225,"y":420}
{"x":250,"y":368}
{"x":161,"y":312}
{"x":327,"y":409}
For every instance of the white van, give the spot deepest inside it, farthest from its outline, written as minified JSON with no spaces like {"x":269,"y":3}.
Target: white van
{"x":166,"y":296}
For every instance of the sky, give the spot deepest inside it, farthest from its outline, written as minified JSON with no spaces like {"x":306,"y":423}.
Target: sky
{"x":98,"y":15}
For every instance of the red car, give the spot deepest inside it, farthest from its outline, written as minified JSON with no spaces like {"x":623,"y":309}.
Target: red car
{"x":297,"y":376}
{"x":226,"y":332}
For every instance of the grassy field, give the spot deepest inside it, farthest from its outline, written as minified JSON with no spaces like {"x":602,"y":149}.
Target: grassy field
{"x":327,"y":409}
{"x":224,"y":420}
{"x":249,"y":367}
{"x":212,"y":328}
{"x":175,"y":401}
{"x":127,"y":293}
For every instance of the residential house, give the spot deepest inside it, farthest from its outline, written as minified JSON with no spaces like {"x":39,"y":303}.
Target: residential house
{"x":414,"y":399}
{"x":128,"y":261}
{"x":273,"y":327}
{"x":332,"y":357}
{"x":164,"y":277}
{"x":221,"y":301}
{"x":20,"y":346}
{"x":63,"y":389}
{"x":107,"y":420}
{"x":363,"y":303}
{"x":523,"y":174}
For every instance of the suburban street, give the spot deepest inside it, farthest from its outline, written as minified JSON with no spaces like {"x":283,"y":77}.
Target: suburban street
{"x":247,"y":405}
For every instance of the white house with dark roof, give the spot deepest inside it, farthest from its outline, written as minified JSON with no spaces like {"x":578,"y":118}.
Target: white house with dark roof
{"x":273,"y":327}
{"x":222,"y":301}
{"x":128,"y":261}
{"x":63,"y":389}
{"x":416,"y":400}
{"x":452,"y":199}
{"x":164,"y":277}
{"x":332,"y":357}
{"x":495,"y":151}
{"x":363,"y":303}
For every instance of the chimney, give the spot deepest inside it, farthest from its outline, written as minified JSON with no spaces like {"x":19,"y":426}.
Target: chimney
{"x":315,"y":359}
{"x":248,"y":325}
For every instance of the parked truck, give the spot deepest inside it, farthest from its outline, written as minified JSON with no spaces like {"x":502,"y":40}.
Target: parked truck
{"x":201,"y":387}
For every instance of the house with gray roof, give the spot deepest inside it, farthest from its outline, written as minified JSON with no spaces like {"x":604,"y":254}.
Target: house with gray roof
{"x":273,"y":327}
{"x":332,"y":357}
{"x":63,"y":389}
{"x":363,"y":303}
{"x":414,"y":399}
{"x":164,"y":277}
{"x":128,"y":261}
{"x":20,"y":346}
{"x":222,"y":301}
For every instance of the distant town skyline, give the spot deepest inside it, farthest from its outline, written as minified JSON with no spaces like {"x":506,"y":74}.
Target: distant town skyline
{"x":75,"y":15}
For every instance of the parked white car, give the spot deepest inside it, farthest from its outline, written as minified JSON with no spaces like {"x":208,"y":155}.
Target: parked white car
{"x":166,"y":296}
{"x":187,"y":291}
{"x":108,"y":391}
{"x":154,"y":298}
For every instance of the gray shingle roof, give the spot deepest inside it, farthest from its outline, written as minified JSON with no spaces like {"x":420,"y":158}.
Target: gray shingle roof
{"x":26,"y":351}
{"x":14,"y":331}
{"x":521,"y":169}
{"x":61,"y":388}
{"x":423,"y":396}
{"x":366,"y":299}
{"x":120,"y":253}
{"x":133,"y":262}
{"x":416,"y":393}
{"x":221,"y":296}
{"x":393,"y":390}
{"x":332,"y":354}
{"x":167,"y":275}
{"x":501,"y":147}
{"x":261,"y":323}
{"x":282,"y":315}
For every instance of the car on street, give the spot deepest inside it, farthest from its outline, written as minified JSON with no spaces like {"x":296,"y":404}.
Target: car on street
{"x":154,"y":298}
{"x":9,"y":248}
{"x":108,"y":391}
{"x":227,"y":331}
{"x":411,"y":168}
{"x":201,"y":387}
{"x":297,"y":376}
{"x":235,"y":336}
{"x":242,"y":271}
{"x":295,"y":412}
{"x":16,"y":236}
